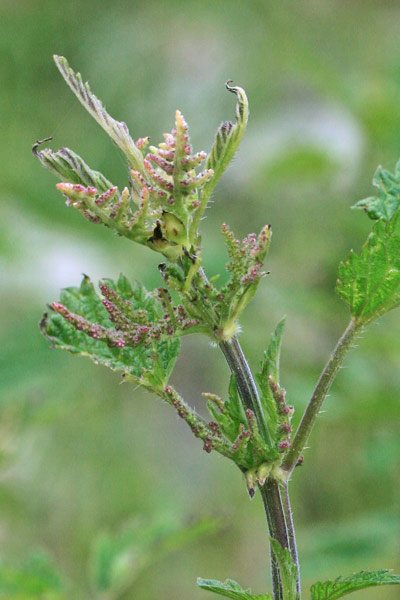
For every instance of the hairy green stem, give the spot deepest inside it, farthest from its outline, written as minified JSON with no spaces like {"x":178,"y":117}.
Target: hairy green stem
{"x":275,"y":514}
{"x":270,"y":492}
{"x":291,"y":534}
{"x":321,"y":389}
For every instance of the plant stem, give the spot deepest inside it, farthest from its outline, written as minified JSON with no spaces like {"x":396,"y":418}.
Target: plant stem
{"x":270,"y":492}
{"x":274,"y":512}
{"x":291,"y":534}
{"x":321,"y":389}
{"x":246,"y":386}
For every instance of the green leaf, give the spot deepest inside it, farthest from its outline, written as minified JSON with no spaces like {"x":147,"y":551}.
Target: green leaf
{"x":230,"y":589}
{"x":387,"y":202}
{"x":270,"y":368}
{"x":70,"y":167}
{"x":117,"y":130}
{"x":226,"y":143}
{"x":370,"y":282}
{"x":287,"y":570}
{"x":331,"y":590}
{"x":147,"y":364}
{"x":234,"y":406}
{"x":227,"y":139}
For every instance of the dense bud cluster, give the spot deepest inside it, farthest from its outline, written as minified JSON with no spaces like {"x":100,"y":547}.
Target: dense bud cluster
{"x":245,"y":267}
{"x":285,"y":413}
{"x":93,"y":330}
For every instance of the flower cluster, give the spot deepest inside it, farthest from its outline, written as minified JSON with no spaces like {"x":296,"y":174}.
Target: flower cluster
{"x":131,"y":326}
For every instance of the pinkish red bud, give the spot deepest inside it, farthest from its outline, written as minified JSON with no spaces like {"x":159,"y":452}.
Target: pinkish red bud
{"x":284,"y":445}
{"x":285,"y":428}
{"x":208,"y":445}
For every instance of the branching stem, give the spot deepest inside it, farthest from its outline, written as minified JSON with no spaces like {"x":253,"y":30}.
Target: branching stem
{"x":270,"y":492}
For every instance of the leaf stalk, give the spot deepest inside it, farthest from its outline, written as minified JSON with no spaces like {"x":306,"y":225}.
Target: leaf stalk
{"x":321,"y":389}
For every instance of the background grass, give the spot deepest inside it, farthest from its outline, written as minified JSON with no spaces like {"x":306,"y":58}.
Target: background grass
{"x":83,"y":454}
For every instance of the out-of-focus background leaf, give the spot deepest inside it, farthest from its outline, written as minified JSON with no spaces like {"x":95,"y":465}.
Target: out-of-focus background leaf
{"x":82,"y":454}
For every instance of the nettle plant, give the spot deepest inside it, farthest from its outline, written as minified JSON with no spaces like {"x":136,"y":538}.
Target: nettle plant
{"x":128,"y":329}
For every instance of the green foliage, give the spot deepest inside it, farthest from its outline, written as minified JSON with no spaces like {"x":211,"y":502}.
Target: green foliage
{"x":270,"y":368}
{"x":167,"y":197}
{"x":128,"y":330}
{"x":240,"y":428}
{"x":387,"y":202}
{"x":83,"y":324}
{"x":163,"y":206}
{"x":332,"y":590}
{"x":230,"y":589}
{"x":117,"y":130}
{"x":277,"y":413}
{"x":70,"y":167}
{"x":227,"y":139}
{"x":37,"y":579}
{"x":287,"y":570}
{"x":370,"y":282}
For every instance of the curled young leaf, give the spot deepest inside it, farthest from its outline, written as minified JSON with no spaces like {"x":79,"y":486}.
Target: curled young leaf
{"x":387,"y":202}
{"x":225,"y":145}
{"x":227,"y":138}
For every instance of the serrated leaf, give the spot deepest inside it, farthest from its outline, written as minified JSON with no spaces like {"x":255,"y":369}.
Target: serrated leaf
{"x":230,"y":589}
{"x":287,"y":570}
{"x":117,"y":130}
{"x":370,"y":282}
{"x":149,"y":365}
{"x":270,"y":367}
{"x":70,"y":167}
{"x":331,"y":590}
{"x":387,"y":202}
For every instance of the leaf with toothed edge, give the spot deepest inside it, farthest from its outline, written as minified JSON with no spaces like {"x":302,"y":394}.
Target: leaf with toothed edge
{"x":117,"y":130}
{"x":148,"y":365}
{"x":387,"y":202}
{"x":334,"y":589}
{"x":369,"y":282}
{"x":230,"y":589}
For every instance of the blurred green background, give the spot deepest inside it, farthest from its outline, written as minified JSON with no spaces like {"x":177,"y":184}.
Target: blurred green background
{"x":81,"y":454}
